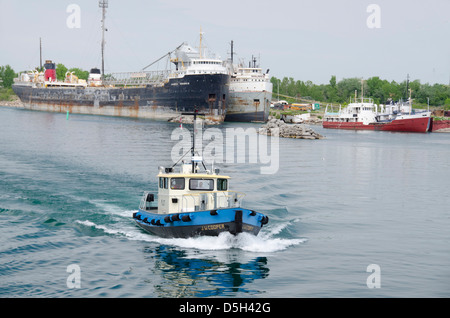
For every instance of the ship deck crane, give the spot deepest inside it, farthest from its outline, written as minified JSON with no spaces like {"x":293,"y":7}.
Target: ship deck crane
{"x":167,"y":54}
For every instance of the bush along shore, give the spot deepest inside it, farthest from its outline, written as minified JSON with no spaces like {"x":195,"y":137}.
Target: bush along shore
{"x":279,"y":127}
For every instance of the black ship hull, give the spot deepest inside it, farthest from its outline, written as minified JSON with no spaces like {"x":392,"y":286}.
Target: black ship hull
{"x":208,"y":93}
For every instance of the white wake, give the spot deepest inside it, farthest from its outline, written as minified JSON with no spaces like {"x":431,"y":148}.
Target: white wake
{"x":266,"y":241}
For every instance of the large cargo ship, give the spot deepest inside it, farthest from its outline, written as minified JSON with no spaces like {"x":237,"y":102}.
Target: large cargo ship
{"x":250,"y":93}
{"x":200,"y":83}
{"x":197,"y":83}
{"x":363,"y":114}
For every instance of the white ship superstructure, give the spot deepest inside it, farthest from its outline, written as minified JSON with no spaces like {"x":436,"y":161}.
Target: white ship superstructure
{"x":250,"y":94}
{"x":190,"y":61}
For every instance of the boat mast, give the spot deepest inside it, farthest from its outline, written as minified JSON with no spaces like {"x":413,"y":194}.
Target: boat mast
{"x":410,"y":102}
{"x":232,"y":53}
{"x":103,"y":4}
{"x":40,"y":55}
{"x":407,"y":85}
{"x":362,"y":91}
{"x":195,"y":114}
{"x":201,"y":36}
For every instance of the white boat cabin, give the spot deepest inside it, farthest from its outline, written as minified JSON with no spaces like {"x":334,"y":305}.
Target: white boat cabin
{"x":185,"y":191}
{"x":364,"y":111}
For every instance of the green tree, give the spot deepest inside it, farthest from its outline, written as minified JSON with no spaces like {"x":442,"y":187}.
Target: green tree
{"x":61,"y":72}
{"x":284,"y":86}
{"x":374,"y":87}
{"x":426,"y":92}
{"x":330,"y":91}
{"x":301,"y":89}
{"x":447,"y":104}
{"x":393,"y":90}
{"x":7,"y":76}
{"x":382,"y":91}
{"x":291,"y":89}
{"x":80,"y":73}
{"x":347,"y":87}
{"x":415,"y":87}
{"x":333,"y":81}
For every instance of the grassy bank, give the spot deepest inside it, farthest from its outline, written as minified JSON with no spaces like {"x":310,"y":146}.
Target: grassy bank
{"x":7,"y":94}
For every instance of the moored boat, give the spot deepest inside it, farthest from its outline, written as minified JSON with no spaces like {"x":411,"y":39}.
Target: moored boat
{"x":192,"y":201}
{"x":198,"y":82}
{"x":363,"y":114}
{"x":250,"y":93}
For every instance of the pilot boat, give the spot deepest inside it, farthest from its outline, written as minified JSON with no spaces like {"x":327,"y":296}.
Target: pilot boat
{"x":193,"y":201}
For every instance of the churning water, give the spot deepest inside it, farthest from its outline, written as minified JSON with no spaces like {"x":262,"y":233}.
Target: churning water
{"x":68,"y":189}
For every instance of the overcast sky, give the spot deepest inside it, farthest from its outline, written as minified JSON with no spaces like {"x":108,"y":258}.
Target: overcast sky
{"x":303,"y":39}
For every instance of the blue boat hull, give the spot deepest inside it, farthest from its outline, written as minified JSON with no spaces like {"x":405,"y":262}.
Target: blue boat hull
{"x":201,"y":223}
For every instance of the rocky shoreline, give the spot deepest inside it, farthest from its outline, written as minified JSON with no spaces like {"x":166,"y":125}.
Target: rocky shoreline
{"x":295,"y":119}
{"x":190,"y":120}
{"x":298,"y":131}
{"x":12,"y":103}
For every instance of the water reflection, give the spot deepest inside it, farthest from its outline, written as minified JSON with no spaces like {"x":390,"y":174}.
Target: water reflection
{"x":186,"y":274}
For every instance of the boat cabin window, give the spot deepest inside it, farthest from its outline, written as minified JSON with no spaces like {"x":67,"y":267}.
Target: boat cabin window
{"x":201,"y":184}
{"x":177,"y":183}
{"x":222,"y":184}
{"x":163,"y":183}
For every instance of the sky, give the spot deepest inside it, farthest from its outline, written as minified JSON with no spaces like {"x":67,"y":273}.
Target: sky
{"x":308,"y":40}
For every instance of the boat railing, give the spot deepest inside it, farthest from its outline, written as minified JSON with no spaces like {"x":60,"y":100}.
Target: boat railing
{"x":332,"y":112}
{"x":205,"y":200}
{"x":361,"y":100}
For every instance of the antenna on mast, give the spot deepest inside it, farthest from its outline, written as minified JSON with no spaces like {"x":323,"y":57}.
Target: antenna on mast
{"x":232,"y":52}
{"x":194,"y":160}
{"x":410,"y":101}
{"x":362,"y":90}
{"x":103,"y":4}
{"x":201,"y":37}
{"x":407,"y":85}
{"x":40,"y":55}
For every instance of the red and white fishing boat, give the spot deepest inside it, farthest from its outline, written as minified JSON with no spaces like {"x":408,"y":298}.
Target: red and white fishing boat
{"x":363,"y":114}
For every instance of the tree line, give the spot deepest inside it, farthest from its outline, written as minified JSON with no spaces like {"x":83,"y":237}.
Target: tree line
{"x":382,"y":91}
{"x":7,"y":74}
